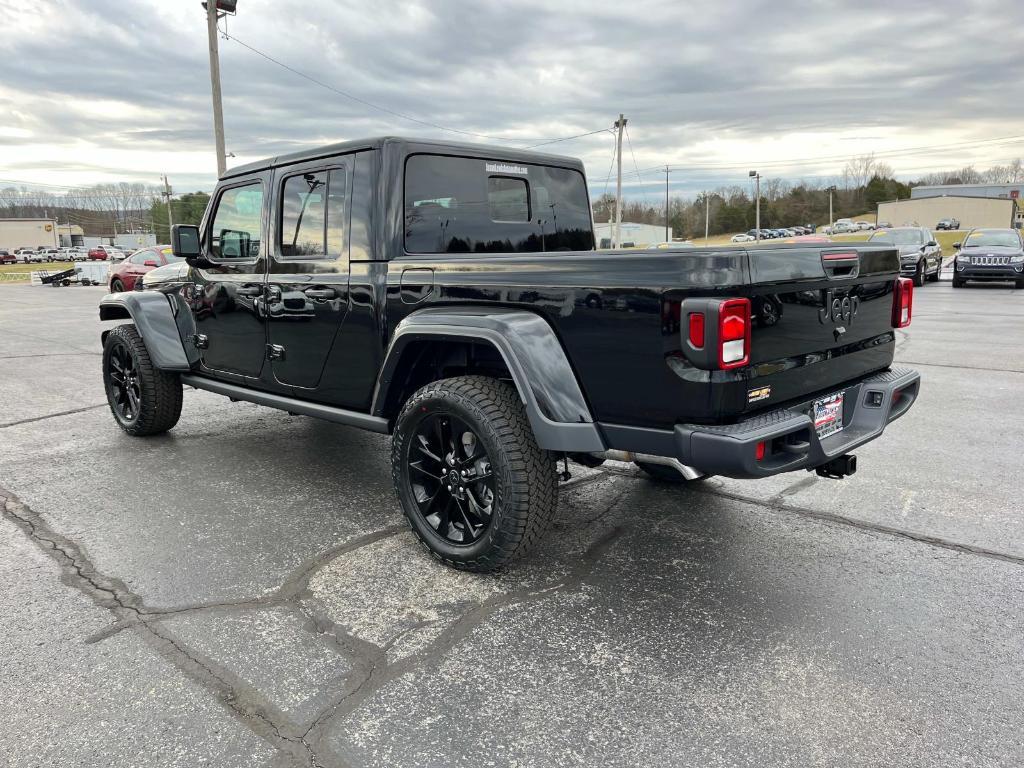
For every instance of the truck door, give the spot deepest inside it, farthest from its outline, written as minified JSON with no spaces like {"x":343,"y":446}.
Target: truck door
{"x":307,"y":287}
{"x":227,"y":296}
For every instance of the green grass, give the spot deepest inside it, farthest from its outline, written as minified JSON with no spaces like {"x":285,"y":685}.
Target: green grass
{"x":21,"y":272}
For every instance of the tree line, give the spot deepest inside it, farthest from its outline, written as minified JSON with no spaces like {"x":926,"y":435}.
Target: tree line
{"x":864,"y":183}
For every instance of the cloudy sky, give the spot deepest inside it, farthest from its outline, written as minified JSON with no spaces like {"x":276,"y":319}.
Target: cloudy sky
{"x":108,"y":90}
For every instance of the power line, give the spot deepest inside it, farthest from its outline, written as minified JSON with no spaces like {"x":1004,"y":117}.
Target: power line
{"x":386,"y":110}
{"x":635,"y":167}
{"x":611,"y":167}
{"x":567,"y":138}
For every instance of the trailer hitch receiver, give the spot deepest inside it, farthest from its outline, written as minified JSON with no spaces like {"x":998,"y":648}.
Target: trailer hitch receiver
{"x":838,"y":468}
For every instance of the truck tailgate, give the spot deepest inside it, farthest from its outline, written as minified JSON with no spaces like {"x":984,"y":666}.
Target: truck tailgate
{"x":820,"y":317}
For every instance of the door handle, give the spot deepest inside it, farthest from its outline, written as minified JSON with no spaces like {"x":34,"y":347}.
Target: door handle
{"x":320,"y":293}
{"x":249,"y":290}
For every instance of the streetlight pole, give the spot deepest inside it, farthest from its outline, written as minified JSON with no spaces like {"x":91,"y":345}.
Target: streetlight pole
{"x":668,"y":235}
{"x":831,"y":222}
{"x":757,"y":205}
{"x":620,"y":125}
{"x":170,"y":217}
{"x":707,"y":215}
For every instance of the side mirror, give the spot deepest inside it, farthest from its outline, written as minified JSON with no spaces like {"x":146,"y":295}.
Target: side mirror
{"x":957,"y":245}
{"x":185,"y":241}
{"x":150,"y":263}
{"x":930,"y":244}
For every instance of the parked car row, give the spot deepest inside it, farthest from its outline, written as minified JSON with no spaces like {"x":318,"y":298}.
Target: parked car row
{"x":847,"y":226}
{"x":948,"y":224}
{"x":50,"y":254}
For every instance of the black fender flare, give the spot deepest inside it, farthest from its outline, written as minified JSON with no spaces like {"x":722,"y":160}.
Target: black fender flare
{"x":533,"y":354}
{"x":156,"y":322}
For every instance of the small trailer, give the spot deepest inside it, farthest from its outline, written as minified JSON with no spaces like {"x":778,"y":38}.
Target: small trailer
{"x":80,"y":274}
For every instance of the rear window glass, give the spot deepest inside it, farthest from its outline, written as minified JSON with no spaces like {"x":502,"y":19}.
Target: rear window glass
{"x":469,"y":205}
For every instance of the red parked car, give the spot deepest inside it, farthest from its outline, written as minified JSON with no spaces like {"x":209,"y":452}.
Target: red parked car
{"x":124,"y":275}
{"x":6,"y":257}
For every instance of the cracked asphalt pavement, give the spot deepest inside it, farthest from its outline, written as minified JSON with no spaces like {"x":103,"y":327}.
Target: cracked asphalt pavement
{"x":243,"y":591}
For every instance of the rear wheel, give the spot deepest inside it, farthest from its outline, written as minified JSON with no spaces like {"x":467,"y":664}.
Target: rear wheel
{"x":143,"y":399}
{"x":476,"y":488}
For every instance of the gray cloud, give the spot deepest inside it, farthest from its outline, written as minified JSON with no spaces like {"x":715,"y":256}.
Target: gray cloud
{"x":687,"y":75}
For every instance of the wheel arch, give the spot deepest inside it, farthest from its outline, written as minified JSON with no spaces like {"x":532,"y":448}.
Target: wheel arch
{"x":438,"y":342}
{"x":156,"y":322}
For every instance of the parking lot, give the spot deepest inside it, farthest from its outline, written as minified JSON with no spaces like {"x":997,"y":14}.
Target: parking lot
{"x":243,"y":591}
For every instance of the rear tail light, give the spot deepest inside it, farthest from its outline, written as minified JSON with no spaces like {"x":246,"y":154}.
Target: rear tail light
{"x":733,"y":333}
{"x":902,"y":302}
{"x":760,"y":450}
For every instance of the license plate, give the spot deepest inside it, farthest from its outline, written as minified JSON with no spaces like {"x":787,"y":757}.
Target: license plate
{"x":828,"y":415}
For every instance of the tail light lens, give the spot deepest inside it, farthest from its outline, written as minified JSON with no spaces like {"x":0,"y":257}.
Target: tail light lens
{"x":733,"y":333}
{"x":902,"y":302}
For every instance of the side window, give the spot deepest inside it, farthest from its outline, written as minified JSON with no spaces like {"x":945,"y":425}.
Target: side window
{"x":237,"y":229}
{"x":141,"y":257}
{"x":313,"y":215}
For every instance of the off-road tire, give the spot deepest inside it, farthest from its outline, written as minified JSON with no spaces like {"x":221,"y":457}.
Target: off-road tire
{"x":666,"y":474}
{"x":525,"y":478}
{"x":958,"y":283}
{"x":1019,"y":283}
{"x":116,"y":286}
{"x":160,"y":391}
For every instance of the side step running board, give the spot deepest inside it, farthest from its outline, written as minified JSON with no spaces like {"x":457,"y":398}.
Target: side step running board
{"x":290,"y":404}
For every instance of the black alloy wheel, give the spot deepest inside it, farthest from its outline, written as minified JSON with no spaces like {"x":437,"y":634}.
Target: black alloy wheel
{"x":451,"y":478}
{"x":477,"y":490}
{"x":116,"y":286}
{"x":124,"y":387}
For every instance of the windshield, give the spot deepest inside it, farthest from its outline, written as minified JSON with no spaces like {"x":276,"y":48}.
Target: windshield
{"x":899,"y":237}
{"x":992,"y":237}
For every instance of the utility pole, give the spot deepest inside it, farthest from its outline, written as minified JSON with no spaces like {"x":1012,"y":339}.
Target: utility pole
{"x":668,"y":235}
{"x":620,"y":124}
{"x":757,"y":205}
{"x":218,"y":111}
{"x":170,"y":217}
{"x":707,"y":215}
{"x":831,"y":222}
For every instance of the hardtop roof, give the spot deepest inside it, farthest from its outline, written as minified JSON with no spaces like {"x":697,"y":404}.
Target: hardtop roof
{"x":409,"y":145}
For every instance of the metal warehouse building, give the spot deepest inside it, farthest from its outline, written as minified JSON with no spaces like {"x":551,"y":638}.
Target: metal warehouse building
{"x":970,"y":211}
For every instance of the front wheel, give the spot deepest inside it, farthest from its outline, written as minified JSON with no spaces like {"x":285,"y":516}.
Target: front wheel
{"x":143,"y":399}
{"x":116,"y":286}
{"x":919,"y":275}
{"x":958,"y":283}
{"x":476,"y":488}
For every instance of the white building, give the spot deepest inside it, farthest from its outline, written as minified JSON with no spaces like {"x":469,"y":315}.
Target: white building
{"x":1009,"y":191}
{"x":28,"y":233}
{"x":633,"y":235}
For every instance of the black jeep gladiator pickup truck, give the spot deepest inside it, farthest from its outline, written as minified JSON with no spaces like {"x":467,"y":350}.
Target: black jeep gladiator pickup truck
{"x":451,"y":296}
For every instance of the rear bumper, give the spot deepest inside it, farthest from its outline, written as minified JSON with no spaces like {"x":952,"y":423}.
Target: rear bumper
{"x":791,"y":442}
